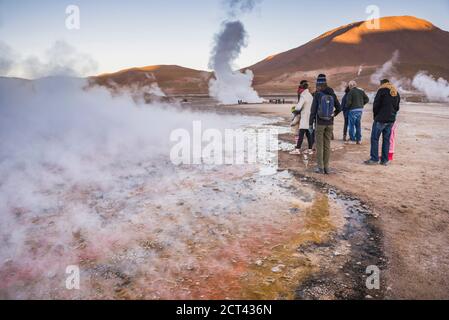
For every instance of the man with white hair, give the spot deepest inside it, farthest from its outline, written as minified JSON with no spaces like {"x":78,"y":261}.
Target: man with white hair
{"x":355,"y":101}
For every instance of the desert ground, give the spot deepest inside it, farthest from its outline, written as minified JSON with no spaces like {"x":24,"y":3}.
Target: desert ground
{"x":408,"y":197}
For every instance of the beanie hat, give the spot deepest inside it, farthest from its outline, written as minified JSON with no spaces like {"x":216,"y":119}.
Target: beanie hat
{"x":321,"y":79}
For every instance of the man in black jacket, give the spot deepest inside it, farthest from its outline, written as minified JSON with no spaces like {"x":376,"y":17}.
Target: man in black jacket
{"x":324,"y":119}
{"x":385,"y":109}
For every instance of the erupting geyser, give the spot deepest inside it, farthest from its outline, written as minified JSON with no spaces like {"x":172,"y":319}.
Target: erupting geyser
{"x":230,"y":86}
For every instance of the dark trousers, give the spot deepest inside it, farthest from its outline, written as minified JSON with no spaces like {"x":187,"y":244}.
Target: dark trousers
{"x":384,"y":129}
{"x":309,"y":136}
{"x":323,"y":145}
{"x":346,"y":124}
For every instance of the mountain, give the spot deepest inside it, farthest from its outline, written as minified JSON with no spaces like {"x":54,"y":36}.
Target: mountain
{"x":349,"y":52}
{"x":342,"y":52}
{"x":171,"y":79}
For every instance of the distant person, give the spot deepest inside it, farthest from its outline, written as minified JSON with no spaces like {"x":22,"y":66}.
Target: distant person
{"x":299,"y":91}
{"x":345,"y":113}
{"x":325,"y":107}
{"x":355,"y":101}
{"x":303,"y":108}
{"x":385,"y":109}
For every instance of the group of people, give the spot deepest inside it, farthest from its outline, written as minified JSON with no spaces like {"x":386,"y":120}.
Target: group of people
{"x":314,"y":116}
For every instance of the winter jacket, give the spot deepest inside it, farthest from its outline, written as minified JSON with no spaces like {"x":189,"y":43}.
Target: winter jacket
{"x":386,"y":104}
{"x":356,"y":99}
{"x":304,"y":106}
{"x":315,"y":103}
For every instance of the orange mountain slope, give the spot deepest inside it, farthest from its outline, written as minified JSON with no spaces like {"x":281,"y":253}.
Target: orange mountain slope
{"x":343,"y":52}
{"x":353,"y":51}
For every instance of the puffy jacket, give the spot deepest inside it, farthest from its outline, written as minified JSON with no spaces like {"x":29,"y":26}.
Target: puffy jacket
{"x":304,"y":106}
{"x":356,"y":99}
{"x":386,"y":104}
{"x":315,"y":103}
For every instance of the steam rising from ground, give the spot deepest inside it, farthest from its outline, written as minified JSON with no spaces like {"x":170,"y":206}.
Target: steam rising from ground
{"x":230,"y":86}
{"x":6,"y":58}
{"x":434,"y":90}
{"x":86,"y":180}
{"x":387,"y":70}
{"x":61,"y":59}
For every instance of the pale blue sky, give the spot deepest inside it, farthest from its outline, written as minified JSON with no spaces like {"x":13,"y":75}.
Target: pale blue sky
{"x":121,"y":34}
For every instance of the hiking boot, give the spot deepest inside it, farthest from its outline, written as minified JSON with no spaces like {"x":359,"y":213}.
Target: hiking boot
{"x":385,"y":163}
{"x":371,"y":162}
{"x":359,"y":142}
{"x":319,"y":170}
{"x":296,"y":152}
{"x":327,"y":171}
{"x":345,"y":138}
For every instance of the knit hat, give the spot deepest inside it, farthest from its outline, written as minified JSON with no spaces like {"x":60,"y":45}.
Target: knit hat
{"x":321,"y":79}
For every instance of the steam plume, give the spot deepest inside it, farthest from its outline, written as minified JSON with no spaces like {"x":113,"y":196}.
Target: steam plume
{"x":6,"y":59}
{"x":387,"y":70}
{"x":61,"y":59}
{"x":230,"y":86}
{"x":435,"y":90}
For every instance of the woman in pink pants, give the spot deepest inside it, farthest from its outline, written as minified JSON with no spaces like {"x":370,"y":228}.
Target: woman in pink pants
{"x":392,"y":140}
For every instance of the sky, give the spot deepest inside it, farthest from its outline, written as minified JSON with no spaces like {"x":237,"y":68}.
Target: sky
{"x":123,"y":34}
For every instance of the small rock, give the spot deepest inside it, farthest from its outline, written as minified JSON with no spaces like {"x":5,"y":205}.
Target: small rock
{"x":258,"y":262}
{"x":336,"y":253}
{"x":293,"y":210}
{"x":368,"y":297}
{"x":278,"y":268}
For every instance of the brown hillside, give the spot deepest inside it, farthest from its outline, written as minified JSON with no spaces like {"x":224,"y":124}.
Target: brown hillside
{"x":342,"y":51}
{"x":171,"y":79}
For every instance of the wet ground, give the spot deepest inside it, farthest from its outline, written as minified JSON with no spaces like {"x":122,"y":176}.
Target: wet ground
{"x":161,"y":231}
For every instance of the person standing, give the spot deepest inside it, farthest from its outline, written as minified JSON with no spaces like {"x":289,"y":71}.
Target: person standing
{"x":325,"y":107}
{"x":299,"y":91}
{"x":394,"y":131}
{"x":345,"y":113}
{"x":385,"y":108}
{"x":303,"y":108}
{"x":355,"y":101}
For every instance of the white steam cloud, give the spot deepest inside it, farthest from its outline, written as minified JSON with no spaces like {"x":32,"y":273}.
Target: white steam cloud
{"x":80,"y":173}
{"x":6,"y":59}
{"x":435,"y":90}
{"x":61,"y":59}
{"x":236,"y":7}
{"x":230,"y":86}
{"x":387,"y":70}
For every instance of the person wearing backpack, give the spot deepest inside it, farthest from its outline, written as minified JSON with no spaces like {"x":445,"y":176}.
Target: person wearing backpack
{"x":325,"y":107}
{"x":355,"y":101}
